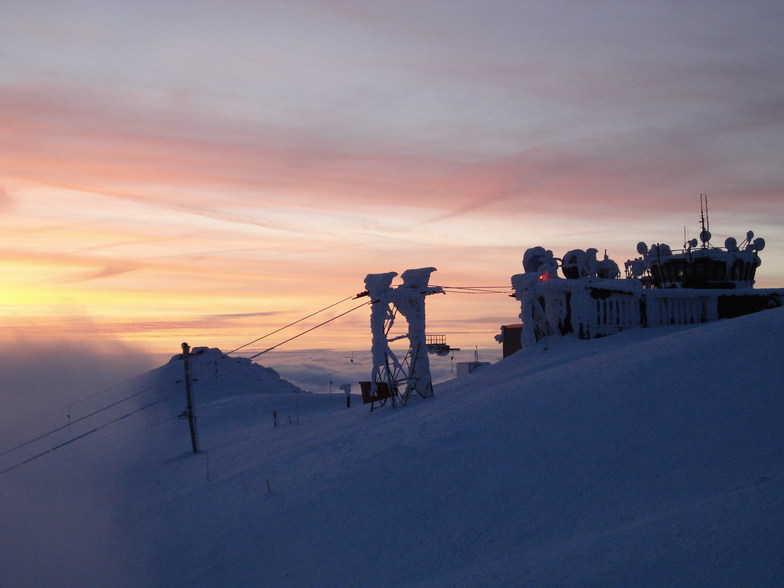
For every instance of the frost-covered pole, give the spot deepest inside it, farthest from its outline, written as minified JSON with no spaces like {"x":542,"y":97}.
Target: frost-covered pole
{"x":410,"y":301}
{"x":379,"y":289}
{"x":186,"y":356}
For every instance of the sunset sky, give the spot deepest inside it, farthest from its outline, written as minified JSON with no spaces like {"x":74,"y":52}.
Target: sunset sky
{"x":210,"y":171}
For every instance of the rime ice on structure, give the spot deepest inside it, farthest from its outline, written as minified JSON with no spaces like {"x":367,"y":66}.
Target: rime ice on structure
{"x":381,"y":296}
{"x":590,"y":302}
{"x":543,"y":309}
{"x":409,"y":300}
{"x":697,"y":284}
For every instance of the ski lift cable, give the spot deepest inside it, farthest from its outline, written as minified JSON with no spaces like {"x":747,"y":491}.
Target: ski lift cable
{"x":83,"y":435}
{"x":310,"y":329}
{"x":477,"y":289}
{"x":78,"y":420}
{"x":70,"y":405}
{"x":290,"y":325}
{"x":98,"y":393}
{"x":474,"y":287}
{"x":144,"y":429}
{"x":120,"y":401}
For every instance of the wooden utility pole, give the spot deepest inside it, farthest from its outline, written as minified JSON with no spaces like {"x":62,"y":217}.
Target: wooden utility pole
{"x":186,"y":356}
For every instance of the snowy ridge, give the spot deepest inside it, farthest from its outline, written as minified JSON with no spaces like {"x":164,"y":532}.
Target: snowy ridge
{"x":217,"y":375}
{"x":648,"y":458}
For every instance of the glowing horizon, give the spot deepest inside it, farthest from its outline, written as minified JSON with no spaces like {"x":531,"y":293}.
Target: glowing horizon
{"x":211,"y":173}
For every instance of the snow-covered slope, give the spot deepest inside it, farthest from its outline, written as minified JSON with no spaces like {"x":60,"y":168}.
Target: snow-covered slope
{"x":648,"y":458}
{"x":216,"y":375}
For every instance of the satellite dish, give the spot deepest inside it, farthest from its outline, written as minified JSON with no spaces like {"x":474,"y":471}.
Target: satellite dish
{"x":705,"y":236}
{"x":642,"y":248}
{"x":759,"y":243}
{"x":731,"y":244}
{"x":693,"y":243}
{"x":533,"y":258}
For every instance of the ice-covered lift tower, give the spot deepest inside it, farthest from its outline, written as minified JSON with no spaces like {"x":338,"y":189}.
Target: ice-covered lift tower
{"x":379,"y":288}
{"x":408,"y":299}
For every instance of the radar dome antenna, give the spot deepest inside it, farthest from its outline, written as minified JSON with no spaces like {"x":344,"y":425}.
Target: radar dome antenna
{"x":759,"y":243}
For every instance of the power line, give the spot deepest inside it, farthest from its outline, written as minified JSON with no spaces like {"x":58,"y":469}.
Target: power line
{"x":70,"y":405}
{"x":289,"y":325}
{"x":99,"y":392}
{"x":116,"y":440}
{"x":477,"y":289}
{"x":309,"y":330}
{"x":120,"y":401}
{"x":459,"y":289}
{"x":87,"y":416}
{"x":456,"y":289}
{"x":83,"y":435}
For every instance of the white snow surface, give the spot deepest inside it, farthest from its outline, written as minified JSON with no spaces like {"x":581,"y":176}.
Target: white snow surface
{"x":654,"y":457}
{"x":218,"y":375}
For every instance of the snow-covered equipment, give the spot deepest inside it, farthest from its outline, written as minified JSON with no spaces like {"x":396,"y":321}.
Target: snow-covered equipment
{"x":390,"y":377}
{"x":699,"y":264}
{"x":697,"y":284}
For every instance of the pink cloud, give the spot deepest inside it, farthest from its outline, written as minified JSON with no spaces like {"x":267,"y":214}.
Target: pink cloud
{"x":123,"y":154}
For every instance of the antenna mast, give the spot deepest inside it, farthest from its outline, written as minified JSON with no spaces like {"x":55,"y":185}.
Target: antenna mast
{"x":705,"y":235}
